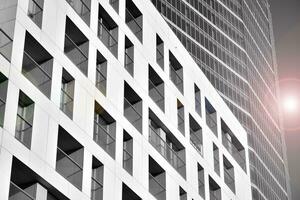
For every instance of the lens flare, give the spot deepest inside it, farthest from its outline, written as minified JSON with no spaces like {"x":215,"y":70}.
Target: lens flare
{"x":290,"y":104}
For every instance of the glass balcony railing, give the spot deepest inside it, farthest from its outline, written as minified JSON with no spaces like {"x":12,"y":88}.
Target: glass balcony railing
{"x":129,"y":64}
{"x":96,"y":190}
{"x":159,"y":57}
{"x":104,"y":139}
{"x":66,"y":103}
{"x":131,"y":112}
{"x":229,"y":180}
{"x":201,"y":188}
{"x":134,"y":25}
{"x":211,"y":123}
{"x":213,"y":197}
{"x":5,"y":45}
{"x":196,"y":140}
{"x":35,"y":12}
{"x":181,"y":121}
{"x":156,"y":95}
{"x":2,"y":111}
{"x":82,"y":9}
{"x":15,"y":192}
{"x":198,"y":106}
{"x":156,"y":188}
{"x":107,"y":38}
{"x":166,"y":151}
{"x":115,"y":4}
{"x":101,"y":80}
{"x":23,"y":131}
{"x":127,"y":161}
{"x":176,"y":79}
{"x":217,"y":165}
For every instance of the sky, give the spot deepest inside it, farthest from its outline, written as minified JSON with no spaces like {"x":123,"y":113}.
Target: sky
{"x":286,"y":24}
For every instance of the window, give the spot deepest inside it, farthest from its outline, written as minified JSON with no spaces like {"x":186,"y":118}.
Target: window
{"x":176,"y":72}
{"x":97,"y":179}
{"x":211,"y":117}
{"x":128,"y":194}
{"x":35,"y":11}
{"x":216,"y":159}
{"x":156,"y":89}
{"x":82,"y":8}
{"x":180,"y":117}
{"x":134,"y":19}
{"x":196,"y":135}
{"x":104,"y":130}
{"x":229,"y":174}
{"x":133,"y":107}
{"x":101,"y":73}
{"x":166,"y":144}
{"x":127,"y":152}
{"x":69,"y":158}
{"x":159,"y":51}
{"x":197,"y":100}
{"x":37,"y":65}
{"x":24,"y":119}
{"x":201,"y":181}
{"x":214,"y":190}
{"x":129,"y":56}
{"x":182,"y":194}
{"x":115,"y":4}
{"x":157,"y":180}
{"x":76,"y":47}
{"x":3,"y":94}
{"x":108,"y":31}
{"x":67,"y":94}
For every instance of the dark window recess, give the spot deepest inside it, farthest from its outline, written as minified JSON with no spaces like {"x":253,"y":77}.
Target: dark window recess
{"x":115,"y":4}
{"x":69,"y":158}
{"x":127,"y":152}
{"x":37,"y":65}
{"x":25,"y":184}
{"x":201,"y":181}
{"x":214,"y":190}
{"x":108,"y":31}
{"x":197,"y":100}
{"x":101,"y":73}
{"x":97,"y":180}
{"x":233,"y":145}
{"x":211,"y":117}
{"x":35,"y":11}
{"x":182,"y":194}
{"x":134,"y":19}
{"x":82,"y":8}
{"x":129,"y":56}
{"x":166,"y":144}
{"x":133,"y":108}
{"x":128,"y":194}
{"x":104,"y":130}
{"x":67,"y":94}
{"x":24,"y":119}
{"x":196,"y":138}
{"x":3,"y":95}
{"x":229,"y":174}
{"x":156,"y":89}
{"x":176,"y":72}
{"x":160,"y":52}
{"x":157,"y":180}
{"x":180,"y":117}
{"x":216,"y":159}
{"x":76,"y":46}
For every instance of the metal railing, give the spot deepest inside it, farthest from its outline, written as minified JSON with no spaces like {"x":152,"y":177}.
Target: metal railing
{"x":156,"y":95}
{"x":129,"y":64}
{"x":103,"y":138}
{"x":5,"y":45}
{"x":196,"y":141}
{"x":166,"y":151}
{"x":127,"y":161}
{"x":66,"y":103}
{"x":134,"y":26}
{"x":81,"y":9}
{"x":96,"y":189}
{"x":229,"y":180}
{"x":156,"y":189}
{"x":211,"y":123}
{"x":135,"y":121}
{"x":23,"y":130}
{"x":176,"y":79}
{"x":35,"y":12}
{"x":107,"y":38}
{"x":17,"y":192}
{"x":100,"y":80}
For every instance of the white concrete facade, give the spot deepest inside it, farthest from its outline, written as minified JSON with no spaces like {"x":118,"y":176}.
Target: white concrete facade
{"x":41,"y":157}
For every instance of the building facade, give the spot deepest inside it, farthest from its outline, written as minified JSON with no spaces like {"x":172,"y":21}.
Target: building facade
{"x":100,"y":100}
{"x":232,"y":42}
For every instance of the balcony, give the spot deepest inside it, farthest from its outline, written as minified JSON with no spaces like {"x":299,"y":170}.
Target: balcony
{"x":157,"y":180}
{"x":97,"y":190}
{"x":216,"y":159}
{"x":198,"y":100}
{"x":211,"y":117}
{"x":156,"y":89}
{"x":17,"y":193}
{"x":128,"y":194}
{"x":214,"y":190}
{"x":101,"y":73}
{"x":35,"y":11}
{"x":82,"y":8}
{"x":127,"y":152}
{"x":67,"y":94}
{"x":229,"y":174}
{"x":5,"y":45}
{"x":134,"y":19}
{"x":180,"y":117}
{"x":3,"y":94}
{"x":129,"y":56}
{"x":115,"y":4}
{"x":97,"y":180}
{"x":182,"y":194}
{"x":201,"y":181}
{"x":176,"y":72}
{"x":159,"y":52}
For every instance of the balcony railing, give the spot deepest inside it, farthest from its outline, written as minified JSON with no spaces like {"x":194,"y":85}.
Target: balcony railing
{"x":134,"y":26}
{"x":156,"y":189}
{"x":166,"y":151}
{"x":115,"y":4}
{"x":198,"y":106}
{"x":196,"y":140}
{"x":23,"y":131}
{"x":76,"y":55}
{"x":81,"y":9}
{"x":133,"y":115}
{"x":5,"y":45}
{"x":213,"y":197}
{"x":101,"y":80}
{"x":15,"y":192}
{"x":129,"y":63}
{"x":104,"y":139}
{"x":96,"y":190}
{"x":211,"y":123}
{"x":35,"y":12}
{"x":201,"y":188}
{"x":159,"y":58}
{"x":236,"y":154}
{"x":127,"y":161}
{"x":181,"y":121}
{"x":156,"y":95}
{"x":229,"y":180}
{"x":107,"y":38}
{"x":176,"y":79}
{"x":217,"y":165}
{"x":66,"y":103}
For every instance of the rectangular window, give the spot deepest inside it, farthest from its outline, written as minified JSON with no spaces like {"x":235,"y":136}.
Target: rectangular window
{"x":180,"y":117}
{"x":97,"y":180}
{"x":196,"y":135}
{"x":67,"y":94}
{"x":104,"y":130}
{"x":76,"y":46}
{"x":24,"y":119}
{"x":108,"y":31}
{"x":214,"y":190}
{"x":35,"y":11}
{"x":69,"y":158}
{"x":101,"y":73}
{"x":229,"y":174}
{"x":134,"y":19}
{"x":37,"y":65}
{"x":156,"y":89}
{"x":159,"y":51}
{"x":127,"y":152}
{"x":216,"y":159}
{"x":3,"y":95}
{"x":201,"y":181}
{"x":129,"y":56}
{"x":157,"y":180}
{"x":176,"y":72}
{"x":82,"y":8}
{"x":197,"y":100}
{"x":211,"y":117}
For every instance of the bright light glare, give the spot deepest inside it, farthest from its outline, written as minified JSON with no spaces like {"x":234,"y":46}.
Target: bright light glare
{"x":290,"y":104}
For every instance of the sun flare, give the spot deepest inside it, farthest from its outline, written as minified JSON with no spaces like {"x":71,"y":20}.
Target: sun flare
{"x":290,"y":104}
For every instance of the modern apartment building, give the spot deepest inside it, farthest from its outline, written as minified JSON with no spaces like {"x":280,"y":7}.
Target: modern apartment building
{"x":100,"y":100}
{"x":232,"y":43}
